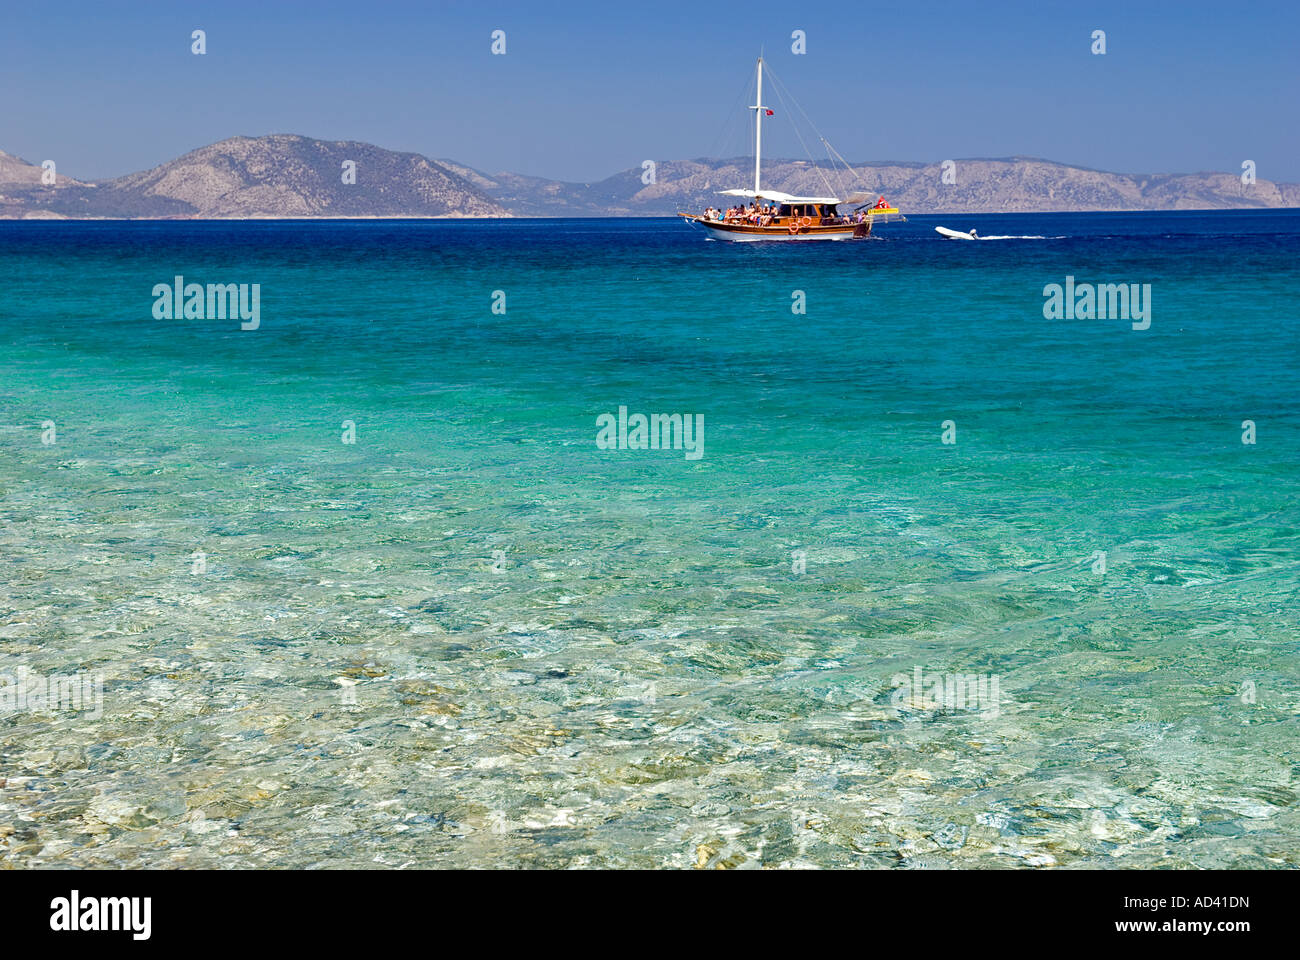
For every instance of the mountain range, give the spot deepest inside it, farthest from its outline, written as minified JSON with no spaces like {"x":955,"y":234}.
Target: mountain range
{"x":290,"y":176}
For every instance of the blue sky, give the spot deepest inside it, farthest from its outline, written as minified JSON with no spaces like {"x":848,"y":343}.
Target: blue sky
{"x":587,"y":89}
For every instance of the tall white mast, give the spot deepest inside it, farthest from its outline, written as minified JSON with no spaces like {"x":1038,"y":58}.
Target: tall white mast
{"x":758,"y":126}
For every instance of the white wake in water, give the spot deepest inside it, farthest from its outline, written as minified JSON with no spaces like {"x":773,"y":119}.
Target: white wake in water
{"x":971,"y":235}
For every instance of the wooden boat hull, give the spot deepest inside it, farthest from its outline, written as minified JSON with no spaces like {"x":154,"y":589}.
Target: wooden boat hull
{"x":748,"y":232}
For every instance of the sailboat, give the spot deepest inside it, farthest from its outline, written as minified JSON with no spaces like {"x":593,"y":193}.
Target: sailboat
{"x":779,"y":215}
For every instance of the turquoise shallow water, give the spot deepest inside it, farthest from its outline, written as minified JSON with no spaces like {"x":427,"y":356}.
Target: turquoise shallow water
{"x":473,"y":637}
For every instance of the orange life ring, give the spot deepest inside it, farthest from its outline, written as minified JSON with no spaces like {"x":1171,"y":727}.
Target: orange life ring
{"x":806,"y":222}
{"x":794,"y":227}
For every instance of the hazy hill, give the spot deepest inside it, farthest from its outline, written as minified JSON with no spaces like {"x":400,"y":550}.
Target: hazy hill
{"x":294,"y":176}
{"x":1018,"y":184}
{"x":253,"y":177}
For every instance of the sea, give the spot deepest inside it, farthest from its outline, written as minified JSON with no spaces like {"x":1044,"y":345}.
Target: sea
{"x":599,"y":543}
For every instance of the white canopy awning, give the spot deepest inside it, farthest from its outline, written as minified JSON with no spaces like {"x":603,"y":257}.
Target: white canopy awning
{"x":776,"y":196}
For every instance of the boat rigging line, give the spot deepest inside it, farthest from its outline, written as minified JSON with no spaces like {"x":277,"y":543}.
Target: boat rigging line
{"x":782,"y":92}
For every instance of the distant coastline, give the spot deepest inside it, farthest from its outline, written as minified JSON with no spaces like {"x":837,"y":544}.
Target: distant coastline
{"x":44,"y":215}
{"x":291,"y":177}
{"x":326,"y":218}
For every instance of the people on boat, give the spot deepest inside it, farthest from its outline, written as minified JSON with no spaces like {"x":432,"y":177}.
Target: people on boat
{"x":760,"y":214}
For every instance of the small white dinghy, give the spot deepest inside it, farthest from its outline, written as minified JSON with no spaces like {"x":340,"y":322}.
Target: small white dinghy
{"x":957,"y":234}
